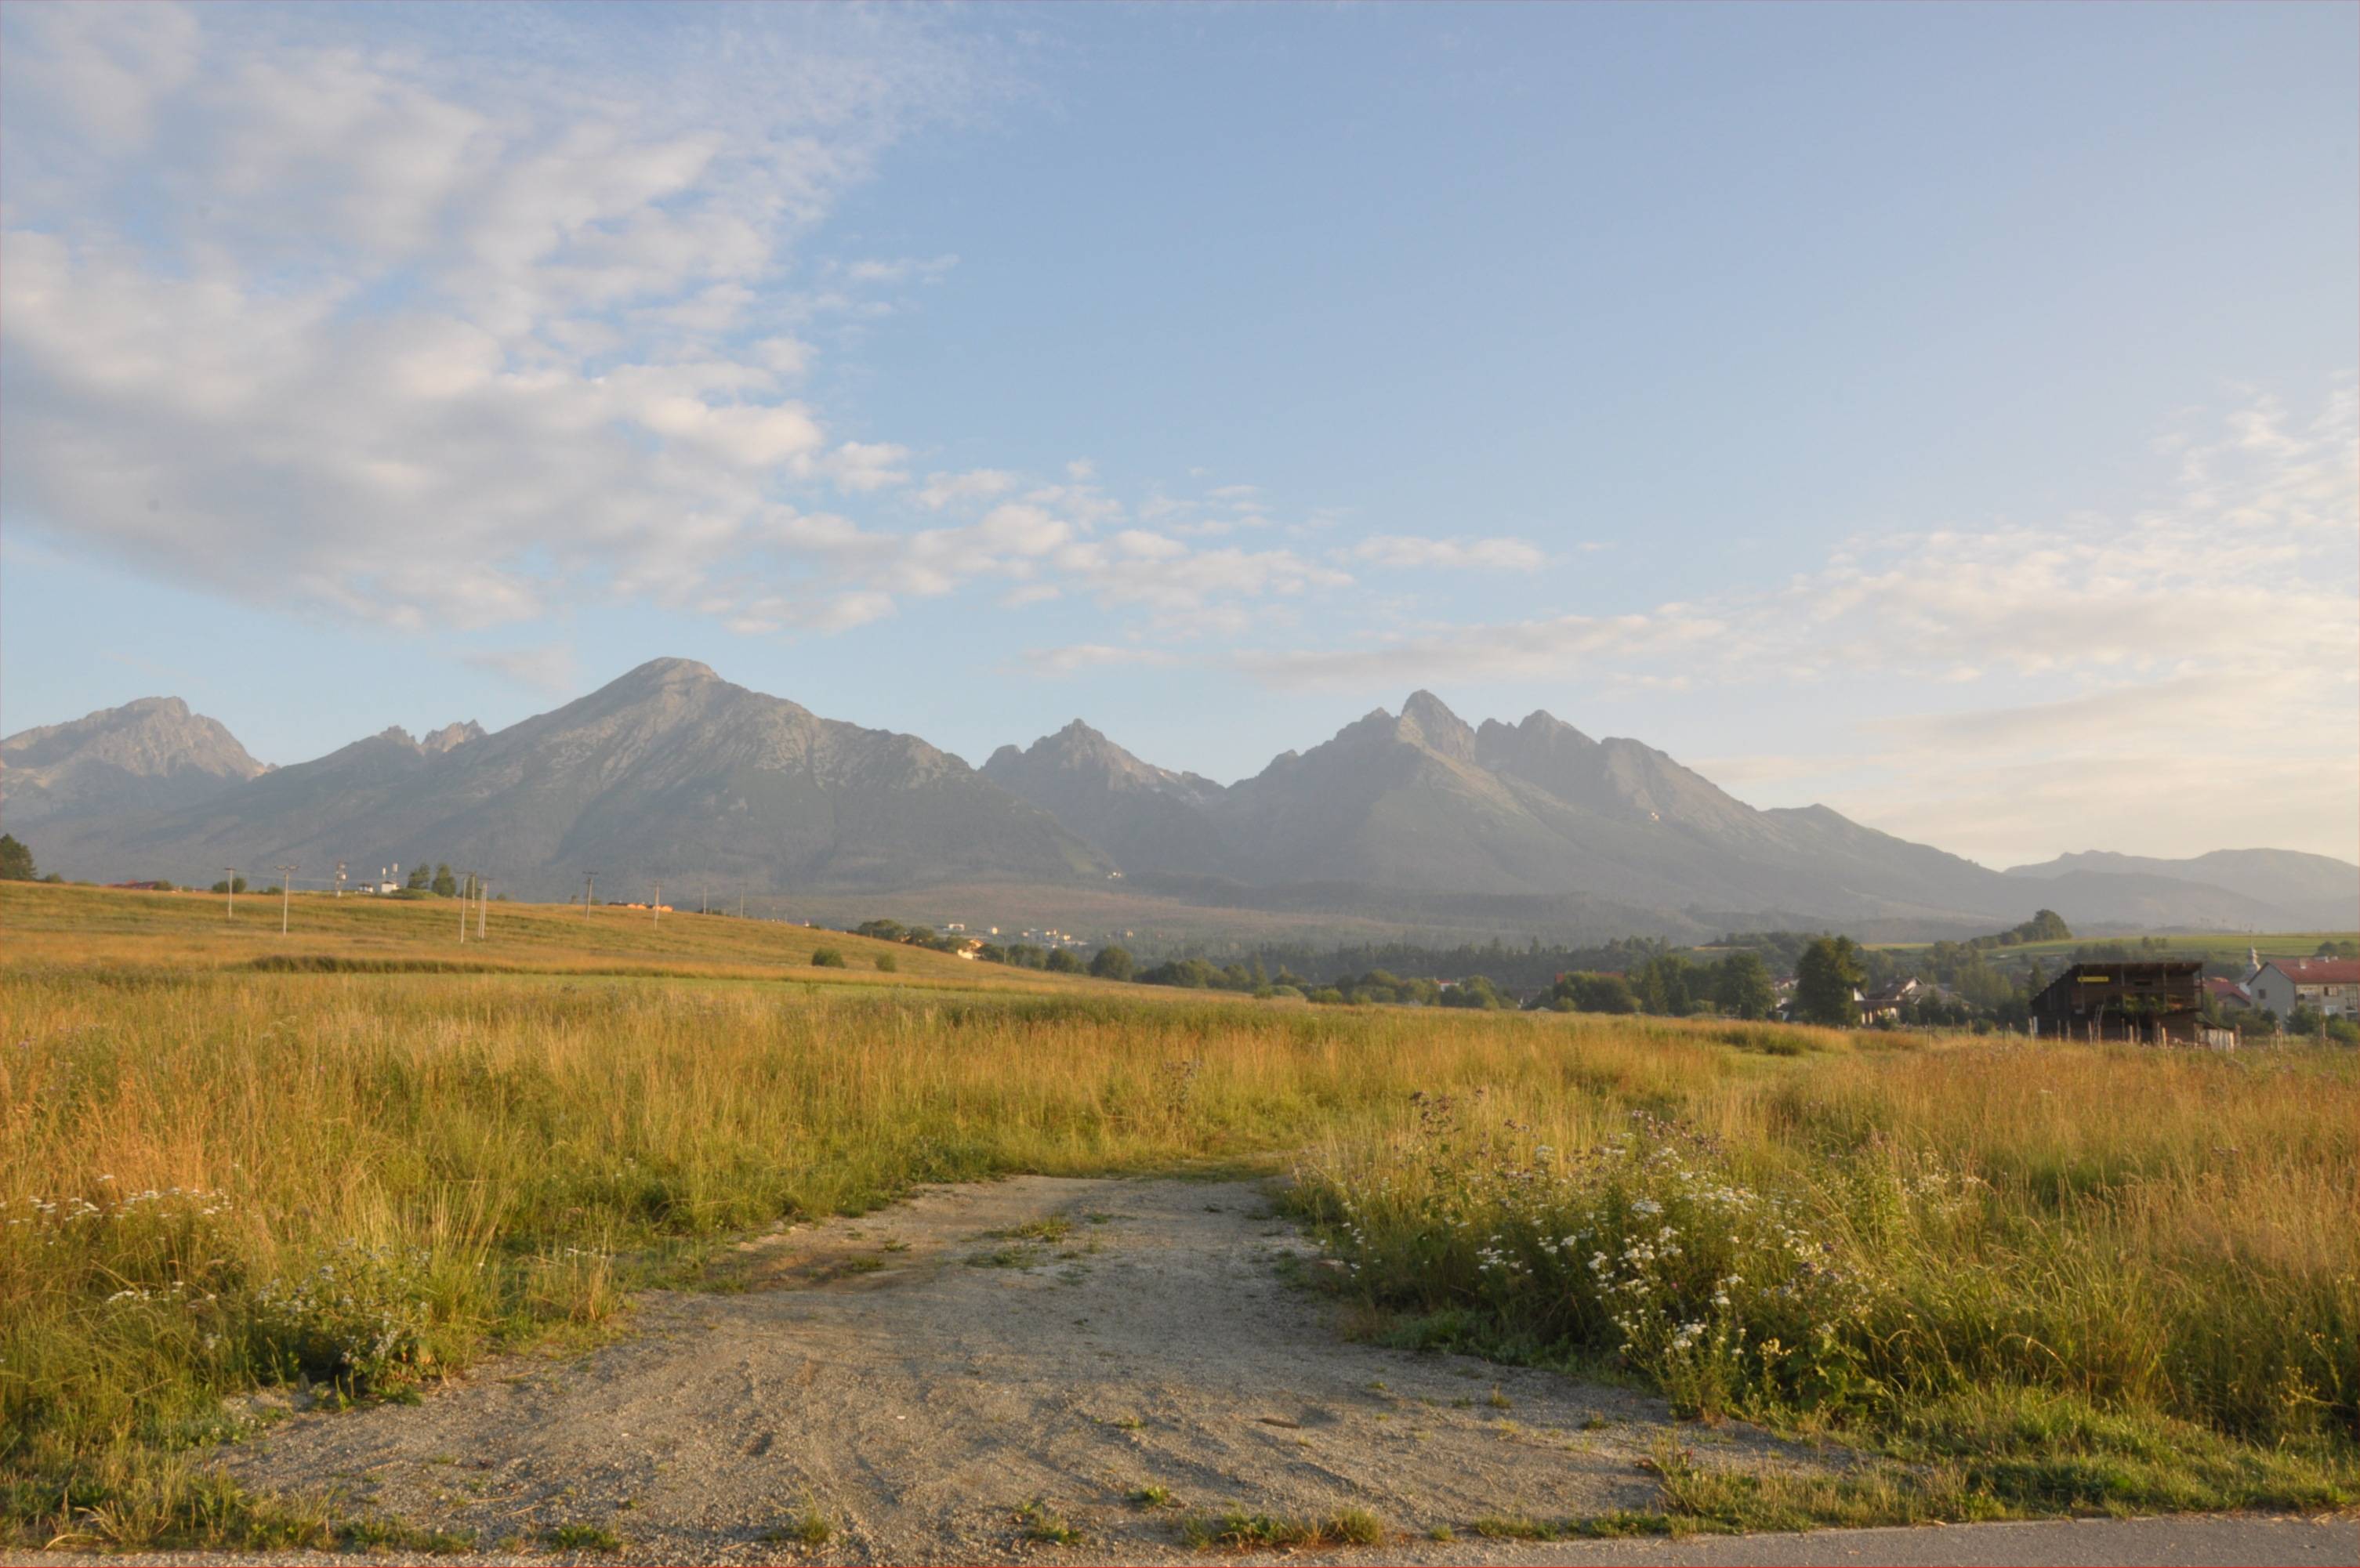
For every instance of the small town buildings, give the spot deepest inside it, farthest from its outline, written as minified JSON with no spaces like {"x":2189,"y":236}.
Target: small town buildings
{"x":2328,"y":985}
{"x":2226,"y":996}
{"x":2151,"y":1002}
{"x":1883,"y":1004}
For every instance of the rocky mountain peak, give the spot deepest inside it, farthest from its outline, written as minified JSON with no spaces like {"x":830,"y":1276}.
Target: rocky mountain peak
{"x":1427,"y":720}
{"x":449,"y":736}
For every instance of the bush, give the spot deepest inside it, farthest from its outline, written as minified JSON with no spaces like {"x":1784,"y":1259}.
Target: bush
{"x":1061,"y":961}
{"x":887,"y":963}
{"x":1111,"y":964}
{"x":826,"y":958}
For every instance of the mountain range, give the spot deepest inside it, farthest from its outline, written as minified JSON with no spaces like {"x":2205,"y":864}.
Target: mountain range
{"x":1416,"y":818}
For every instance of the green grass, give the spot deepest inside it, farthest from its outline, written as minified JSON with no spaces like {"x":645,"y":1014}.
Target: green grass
{"x":1047,"y":1526}
{"x":810,"y":1528}
{"x":1239,"y":1530}
{"x":580,"y":1537}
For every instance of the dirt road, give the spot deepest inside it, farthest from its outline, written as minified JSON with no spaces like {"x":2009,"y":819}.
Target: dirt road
{"x":919,"y":1376}
{"x":1034,"y":1369}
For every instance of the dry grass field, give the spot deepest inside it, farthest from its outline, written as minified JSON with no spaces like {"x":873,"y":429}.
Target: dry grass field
{"x":359,"y":1156}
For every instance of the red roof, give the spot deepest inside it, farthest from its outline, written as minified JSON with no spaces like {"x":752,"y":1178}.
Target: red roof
{"x":2320,"y":971}
{"x":2222,"y":988}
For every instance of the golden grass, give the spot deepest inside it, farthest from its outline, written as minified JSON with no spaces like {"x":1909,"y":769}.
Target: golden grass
{"x":475,"y":1158}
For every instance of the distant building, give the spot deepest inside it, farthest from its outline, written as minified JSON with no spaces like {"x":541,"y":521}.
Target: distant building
{"x":2151,"y":1002}
{"x":1884,"y":1003}
{"x":2331,"y":985}
{"x":2227,"y":996}
{"x":143,"y":887}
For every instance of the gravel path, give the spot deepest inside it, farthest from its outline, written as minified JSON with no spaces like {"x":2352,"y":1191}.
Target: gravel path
{"x":921,"y":1377}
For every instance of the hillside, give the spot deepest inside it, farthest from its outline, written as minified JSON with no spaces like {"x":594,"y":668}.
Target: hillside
{"x":2273,"y":888}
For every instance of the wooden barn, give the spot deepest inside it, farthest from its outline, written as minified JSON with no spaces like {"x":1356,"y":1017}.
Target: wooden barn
{"x":2151,"y":1002}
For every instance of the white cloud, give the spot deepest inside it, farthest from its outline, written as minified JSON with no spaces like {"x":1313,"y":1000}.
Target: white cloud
{"x":942,"y":490}
{"x":1410,"y":552}
{"x":1084,"y":656}
{"x":902,"y":270}
{"x":553,"y":667}
{"x":427,"y":336}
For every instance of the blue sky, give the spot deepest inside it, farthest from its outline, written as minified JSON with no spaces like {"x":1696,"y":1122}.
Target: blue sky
{"x":1947,"y":413}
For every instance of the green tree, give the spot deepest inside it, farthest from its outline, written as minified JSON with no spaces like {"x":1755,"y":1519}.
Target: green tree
{"x":826,"y":958}
{"x":1598,"y":993}
{"x":445,"y":885}
{"x":1825,"y":978}
{"x":1062,"y":962}
{"x":15,"y":861}
{"x":1742,"y":988}
{"x":1475,"y":991}
{"x":1111,"y":964}
{"x":230,"y":885}
{"x":418,"y":877}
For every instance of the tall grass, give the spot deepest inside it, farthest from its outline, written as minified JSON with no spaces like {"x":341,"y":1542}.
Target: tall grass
{"x":216,"y":1178}
{"x":1942,"y":1242}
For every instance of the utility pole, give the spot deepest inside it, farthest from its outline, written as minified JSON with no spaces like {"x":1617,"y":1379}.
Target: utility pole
{"x":741,"y":906}
{"x":286,"y":891}
{"x":589,"y":890}
{"x":708,"y":901}
{"x":229,"y":886}
{"x":340,"y":879}
{"x":659,"y":903}
{"x":483,"y":905}
{"x":466,"y":886}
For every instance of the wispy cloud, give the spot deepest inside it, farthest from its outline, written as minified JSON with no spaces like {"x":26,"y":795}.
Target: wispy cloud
{"x":1410,"y":552}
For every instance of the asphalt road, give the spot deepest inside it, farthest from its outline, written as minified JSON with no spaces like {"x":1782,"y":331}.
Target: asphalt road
{"x":2187,"y":1540}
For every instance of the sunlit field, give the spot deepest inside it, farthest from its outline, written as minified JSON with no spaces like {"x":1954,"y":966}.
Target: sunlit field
{"x":2040,"y":1277}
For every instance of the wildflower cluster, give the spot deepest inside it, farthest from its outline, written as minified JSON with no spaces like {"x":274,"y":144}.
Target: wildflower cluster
{"x":1645,"y":1248}
{"x":360,"y":1318}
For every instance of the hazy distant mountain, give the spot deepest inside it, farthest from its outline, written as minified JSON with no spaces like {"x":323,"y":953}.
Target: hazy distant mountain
{"x":2282,"y":886}
{"x":668,"y":772}
{"x":1415,"y":817}
{"x":1146,"y":818}
{"x":145,"y":756}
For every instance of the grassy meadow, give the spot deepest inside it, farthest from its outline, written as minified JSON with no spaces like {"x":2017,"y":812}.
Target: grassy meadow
{"x":2027,"y":1278}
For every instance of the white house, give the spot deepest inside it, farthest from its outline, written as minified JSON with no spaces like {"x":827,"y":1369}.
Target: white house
{"x":2331,"y":985}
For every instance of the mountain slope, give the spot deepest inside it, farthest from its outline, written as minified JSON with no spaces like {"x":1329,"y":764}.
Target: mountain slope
{"x":668,"y":772}
{"x":1146,"y":818}
{"x":672,"y":773}
{"x":149,"y":755}
{"x":2283,"y":887}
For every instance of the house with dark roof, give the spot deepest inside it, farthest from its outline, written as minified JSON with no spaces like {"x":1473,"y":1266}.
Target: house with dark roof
{"x":2149,"y":1002}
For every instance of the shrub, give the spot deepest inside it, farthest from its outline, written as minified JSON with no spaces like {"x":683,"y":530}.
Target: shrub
{"x":826,"y":958}
{"x":887,"y":963}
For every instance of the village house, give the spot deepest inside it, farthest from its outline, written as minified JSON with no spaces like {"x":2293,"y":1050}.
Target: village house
{"x":2149,"y":1002}
{"x":1883,"y":1004}
{"x":2328,"y":985}
{"x":2226,"y":996}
